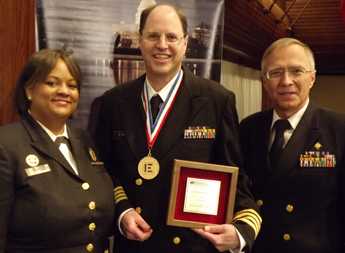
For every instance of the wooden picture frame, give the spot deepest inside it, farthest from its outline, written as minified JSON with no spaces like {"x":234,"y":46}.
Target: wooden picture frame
{"x":195,"y":187}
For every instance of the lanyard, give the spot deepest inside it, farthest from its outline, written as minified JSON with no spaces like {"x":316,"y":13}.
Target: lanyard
{"x":153,"y":128}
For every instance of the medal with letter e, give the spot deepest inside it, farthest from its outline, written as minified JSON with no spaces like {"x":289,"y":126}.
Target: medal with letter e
{"x":148,"y":167}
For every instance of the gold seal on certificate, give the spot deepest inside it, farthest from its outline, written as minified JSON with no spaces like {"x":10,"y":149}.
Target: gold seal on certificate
{"x":148,"y":167}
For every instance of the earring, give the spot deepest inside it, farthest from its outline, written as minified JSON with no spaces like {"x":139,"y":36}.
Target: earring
{"x":29,"y":98}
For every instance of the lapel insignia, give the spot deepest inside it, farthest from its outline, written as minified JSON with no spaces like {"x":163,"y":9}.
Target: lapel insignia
{"x":317,"y":159}
{"x":317,"y":145}
{"x":92,"y":155}
{"x":199,"y":132}
{"x":33,"y":171}
{"x":94,"y":158}
{"x":32,"y":160}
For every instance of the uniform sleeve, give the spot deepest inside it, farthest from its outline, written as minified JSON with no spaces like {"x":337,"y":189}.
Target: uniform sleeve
{"x":102,"y":136}
{"x":6,"y":195}
{"x":246,"y":217}
{"x":342,"y":182}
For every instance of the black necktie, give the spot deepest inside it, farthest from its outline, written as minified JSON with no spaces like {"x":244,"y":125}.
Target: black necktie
{"x":155,"y":102}
{"x":277,"y":146}
{"x":68,"y":156}
{"x":62,"y":139}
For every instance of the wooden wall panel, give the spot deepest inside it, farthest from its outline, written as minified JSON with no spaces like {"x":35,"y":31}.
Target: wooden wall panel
{"x":248,"y":31}
{"x":17,"y":43}
{"x":250,"y":28}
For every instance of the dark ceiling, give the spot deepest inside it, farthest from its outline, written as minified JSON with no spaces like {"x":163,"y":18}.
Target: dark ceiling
{"x":252,"y":25}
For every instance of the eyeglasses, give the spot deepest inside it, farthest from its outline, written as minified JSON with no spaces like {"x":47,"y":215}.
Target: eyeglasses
{"x":171,"y":38}
{"x":293,"y":72}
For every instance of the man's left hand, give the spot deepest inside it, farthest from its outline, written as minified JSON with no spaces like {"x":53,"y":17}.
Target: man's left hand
{"x":223,"y":237}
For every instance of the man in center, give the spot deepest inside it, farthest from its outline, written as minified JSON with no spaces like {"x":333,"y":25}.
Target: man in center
{"x":156,"y":118}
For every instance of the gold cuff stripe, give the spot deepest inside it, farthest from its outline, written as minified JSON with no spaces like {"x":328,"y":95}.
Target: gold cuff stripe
{"x":249,"y":215}
{"x":119,"y":194}
{"x":119,"y":188}
{"x":251,"y":220}
{"x":117,"y":200}
{"x":250,"y":212}
{"x":250,"y":223}
{"x":256,"y":230}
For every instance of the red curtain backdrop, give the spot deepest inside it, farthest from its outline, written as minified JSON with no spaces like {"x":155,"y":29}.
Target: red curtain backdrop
{"x":343,"y":9}
{"x":17,"y":43}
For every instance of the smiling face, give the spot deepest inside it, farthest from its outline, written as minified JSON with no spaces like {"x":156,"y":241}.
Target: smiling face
{"x":54,"y":100}
{"x":162,"y":56}
{"x":290,"y":91}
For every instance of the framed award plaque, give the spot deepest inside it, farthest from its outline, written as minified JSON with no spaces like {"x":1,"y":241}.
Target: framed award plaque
{"x":201,"y":194}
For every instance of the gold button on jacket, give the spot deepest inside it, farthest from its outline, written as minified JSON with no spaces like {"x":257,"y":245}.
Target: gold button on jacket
{"x":89,"y":247}
{"x":177,"y":240}
{"x":92,"y":226}
{"x":286,"y":237}
{"x":92,"y":205}
{"x":289,"y":208}
{"x":138,"y":181}
{"x":85,"y":186}
{"x":259,"y":202}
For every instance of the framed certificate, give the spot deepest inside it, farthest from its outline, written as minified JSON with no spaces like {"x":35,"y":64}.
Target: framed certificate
{"x":201,"y":194}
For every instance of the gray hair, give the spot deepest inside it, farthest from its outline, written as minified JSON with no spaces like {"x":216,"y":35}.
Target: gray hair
{"x":285,"y":42}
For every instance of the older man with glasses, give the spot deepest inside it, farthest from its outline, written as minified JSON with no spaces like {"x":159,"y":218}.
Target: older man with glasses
{"x":294,"y":156}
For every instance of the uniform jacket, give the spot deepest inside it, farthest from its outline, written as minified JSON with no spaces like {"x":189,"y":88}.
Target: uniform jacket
{"x":53,"y":210}
{"x":122,"y":139}
{"x":302,"y":199}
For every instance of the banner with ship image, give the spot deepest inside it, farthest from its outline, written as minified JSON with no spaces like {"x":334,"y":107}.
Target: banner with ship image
{"x":103,"y":36}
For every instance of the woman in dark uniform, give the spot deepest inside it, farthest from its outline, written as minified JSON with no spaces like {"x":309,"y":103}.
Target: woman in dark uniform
{"x":55,"y":195}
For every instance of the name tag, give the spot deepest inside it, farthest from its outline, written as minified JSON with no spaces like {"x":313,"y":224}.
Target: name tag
{"x":33,"y":171}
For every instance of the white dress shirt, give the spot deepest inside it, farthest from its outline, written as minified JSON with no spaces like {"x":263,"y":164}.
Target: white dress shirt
{"x":66,"y":152}
{"x":293,"y":120}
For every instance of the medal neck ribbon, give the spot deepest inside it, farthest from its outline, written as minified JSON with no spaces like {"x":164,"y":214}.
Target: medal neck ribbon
{"x":153,"y":128}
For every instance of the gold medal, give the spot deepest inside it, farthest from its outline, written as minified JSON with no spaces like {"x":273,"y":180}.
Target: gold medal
{"x":148,"y":167}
